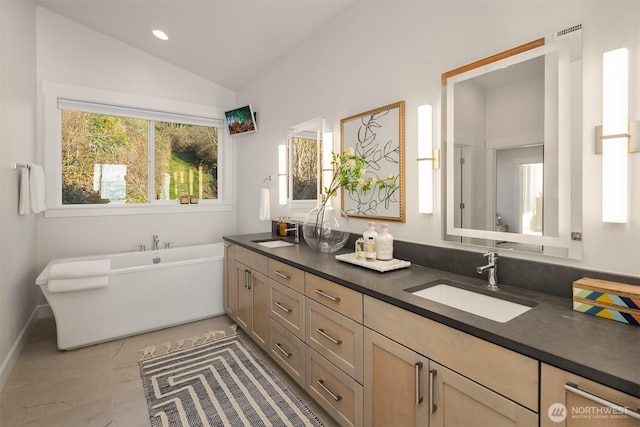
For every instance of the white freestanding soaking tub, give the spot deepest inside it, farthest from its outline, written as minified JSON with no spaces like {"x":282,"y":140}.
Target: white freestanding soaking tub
{"x":182,"y":285}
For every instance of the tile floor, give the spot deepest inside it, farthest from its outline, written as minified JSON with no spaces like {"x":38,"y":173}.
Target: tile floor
{"x":98,"y":385}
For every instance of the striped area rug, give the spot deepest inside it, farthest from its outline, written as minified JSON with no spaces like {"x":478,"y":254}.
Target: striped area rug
{"x":223,"y":383}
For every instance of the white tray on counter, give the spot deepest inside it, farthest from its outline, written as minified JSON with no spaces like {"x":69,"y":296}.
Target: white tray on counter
{"x":380,"y":266}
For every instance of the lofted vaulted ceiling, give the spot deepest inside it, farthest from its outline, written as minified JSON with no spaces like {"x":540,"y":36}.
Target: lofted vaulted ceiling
{"x":228,"y":42}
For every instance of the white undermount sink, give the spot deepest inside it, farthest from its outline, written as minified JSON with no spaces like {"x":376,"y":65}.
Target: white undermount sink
{"x":489,"y":307}
{"x":274,"y":243}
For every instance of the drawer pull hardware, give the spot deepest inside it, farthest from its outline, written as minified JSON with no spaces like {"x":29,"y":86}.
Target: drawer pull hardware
{"x":246,"y":279}
{"x":331,"y":297}
{"x":419,"y":397}
{"x":336,"y":397}
{"x":283,"y":308}
{"x":432,"y":385}
{"x":284,"y":276}
{"x":282,"y":350}
{"x":249,"y":281}
{"x":573,"y":388}
{"x":329,"y":337}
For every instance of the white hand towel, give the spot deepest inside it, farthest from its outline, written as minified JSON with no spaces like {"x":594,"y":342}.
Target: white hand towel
{"x":265,"y":205}
{"x":24,"y":207}
{"x":80,"y":284}
{"x":36,"y":188}
{"x":80,"y":269}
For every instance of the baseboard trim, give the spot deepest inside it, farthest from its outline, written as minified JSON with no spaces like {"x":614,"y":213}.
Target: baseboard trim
{"x":39,"y":312}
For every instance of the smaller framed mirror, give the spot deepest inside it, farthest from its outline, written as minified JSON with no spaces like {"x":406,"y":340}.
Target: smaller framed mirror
{"x":304,"y":145}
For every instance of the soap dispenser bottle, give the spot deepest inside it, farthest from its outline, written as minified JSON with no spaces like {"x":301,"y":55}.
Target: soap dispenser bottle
{"x":384,"y":244}
{"x":369,"y":237}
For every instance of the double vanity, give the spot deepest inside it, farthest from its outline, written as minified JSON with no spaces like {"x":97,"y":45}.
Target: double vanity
{"x":421,"y":346}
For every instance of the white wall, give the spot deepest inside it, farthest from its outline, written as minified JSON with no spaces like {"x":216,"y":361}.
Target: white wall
{"x":17,"y":144}
{"x":69,"y":53}
{"x":377,"y":53}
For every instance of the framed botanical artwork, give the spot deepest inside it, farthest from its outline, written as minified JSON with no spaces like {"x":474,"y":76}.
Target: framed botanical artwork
{"x":378,"y":135}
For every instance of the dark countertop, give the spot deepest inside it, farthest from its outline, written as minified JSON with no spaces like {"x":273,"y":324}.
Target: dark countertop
{"x":599,"y":349}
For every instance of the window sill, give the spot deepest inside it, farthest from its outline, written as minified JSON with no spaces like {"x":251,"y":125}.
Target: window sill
{"x":111,"y":210}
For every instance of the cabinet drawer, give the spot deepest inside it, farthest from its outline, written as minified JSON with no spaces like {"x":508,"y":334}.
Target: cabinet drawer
{"x":287,"y":275}
{"x":288,"y":351}
{"x":252,"y":259}
{"x":287,"y":307}
{"x":504,"y":371}
{"x":335,"y":296}
{"x":335,"y":337}
{"x":335,"y":391}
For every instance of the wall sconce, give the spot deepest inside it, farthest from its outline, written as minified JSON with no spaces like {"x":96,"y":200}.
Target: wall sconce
{"x":282,"y":175}
{"x":327,"y":167}
{"x":428,"y":159}
{"x":614,"y":138}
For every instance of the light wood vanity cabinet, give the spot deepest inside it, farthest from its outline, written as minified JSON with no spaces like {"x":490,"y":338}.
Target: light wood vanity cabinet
{"x":472,"y":377}
{"x":367,"y":362}
{"x":252,"y":285}
{"x":571,"y":400}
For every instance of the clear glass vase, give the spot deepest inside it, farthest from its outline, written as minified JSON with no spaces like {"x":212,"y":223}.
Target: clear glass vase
{"x":325,"y":229}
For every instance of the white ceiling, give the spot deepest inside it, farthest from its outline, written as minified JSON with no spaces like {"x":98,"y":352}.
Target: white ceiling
{"x":228,"y":42}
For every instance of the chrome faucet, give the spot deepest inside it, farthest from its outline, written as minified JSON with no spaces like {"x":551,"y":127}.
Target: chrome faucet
{"x":493,"y":270}
{"x":156,"y":242}
{"x":296,"y":229}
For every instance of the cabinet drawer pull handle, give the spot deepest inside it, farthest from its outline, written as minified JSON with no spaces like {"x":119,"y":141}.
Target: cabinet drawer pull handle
{"x":336,"y":397}
{"x":329,"y":337}
{"x":432,"y":386}
{"x":331,"y":297}
{"x":419,"y":397}
{"x":284,"y":276}
{"x":573,"y":388}
{"x":249,"y":281}
{"x":246,"y":279}
{"x":282,"y":350}
{"x":283,"y":308}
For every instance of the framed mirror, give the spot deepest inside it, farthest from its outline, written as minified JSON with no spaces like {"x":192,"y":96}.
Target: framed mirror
{"x":304,"y":143}
{"x":512,"y":125}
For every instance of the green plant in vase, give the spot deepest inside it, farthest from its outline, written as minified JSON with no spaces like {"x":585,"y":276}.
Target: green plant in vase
{"x":324,"y":227}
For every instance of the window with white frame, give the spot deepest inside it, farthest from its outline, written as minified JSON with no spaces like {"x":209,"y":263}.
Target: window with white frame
{"x":114,"y":155}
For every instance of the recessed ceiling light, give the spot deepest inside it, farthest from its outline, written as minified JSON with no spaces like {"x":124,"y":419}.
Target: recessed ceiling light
{"x":160,"y":34}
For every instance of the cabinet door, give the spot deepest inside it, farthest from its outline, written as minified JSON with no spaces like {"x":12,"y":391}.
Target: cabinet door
{"x":570,"y":400}
{"x":458,"y":401}
{"x":396,"y":383}
{"x":259,"y":288}
{"x":230,"y":291}
{"x":243,"y":297}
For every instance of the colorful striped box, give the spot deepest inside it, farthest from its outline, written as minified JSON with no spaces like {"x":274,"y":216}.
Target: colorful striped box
{"x":611,"y":300}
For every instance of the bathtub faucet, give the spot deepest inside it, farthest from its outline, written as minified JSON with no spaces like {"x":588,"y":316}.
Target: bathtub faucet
{"x":156,"y":242}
